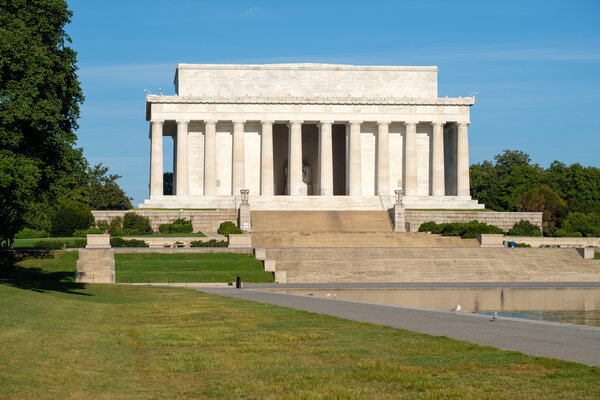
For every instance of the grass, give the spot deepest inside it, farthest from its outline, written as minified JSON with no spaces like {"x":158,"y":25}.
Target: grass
{"x":449,"y":209}
{"x":122,"y":342}
{"x":197,"y":234}
{"x":597,"y":255}
{"x":46,"y":265}
{"x":194,"y":267}
{"x":28,"y":243}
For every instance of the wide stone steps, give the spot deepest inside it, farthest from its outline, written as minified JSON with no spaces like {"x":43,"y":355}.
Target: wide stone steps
{"x":400,"y":253}
{"x":357,"y":239}
{"x":320,"y":221}
{"x":322,"y":265}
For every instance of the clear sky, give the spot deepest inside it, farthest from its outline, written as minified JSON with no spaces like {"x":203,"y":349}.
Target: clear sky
{"x":535,"y":64}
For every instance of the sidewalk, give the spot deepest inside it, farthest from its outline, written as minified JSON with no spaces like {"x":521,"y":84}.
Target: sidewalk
{"x":576,"y":343}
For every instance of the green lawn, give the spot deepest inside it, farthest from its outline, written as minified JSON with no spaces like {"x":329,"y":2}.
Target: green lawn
{"x":28,"y":243}
{"x":191,"y":267}
{"x":81,"y":341}
{"x":46,"y":265}
{"x":197,"y":234}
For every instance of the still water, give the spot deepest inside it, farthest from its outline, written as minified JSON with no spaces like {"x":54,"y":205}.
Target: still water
{"x":566,"y":305}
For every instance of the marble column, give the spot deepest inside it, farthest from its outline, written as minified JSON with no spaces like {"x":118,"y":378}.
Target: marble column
{"x":462,"y":160}
{"x":238,"y":172}
{"x":182,"y":158}
{"x":438,"y":183}
{"x":266,"y":164}
{"x":295,"y":158}
{"x":210,"y":158}
{"x":156,"y":159}
{"x":325,"y":159}
{"x":355,"y":187}
{"x":410,"y":179}
{"x":383,"y":158}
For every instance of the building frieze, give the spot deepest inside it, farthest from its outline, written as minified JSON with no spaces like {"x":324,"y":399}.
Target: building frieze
{"x":403,"y":101}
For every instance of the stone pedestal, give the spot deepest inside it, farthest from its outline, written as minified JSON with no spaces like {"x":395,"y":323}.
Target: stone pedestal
{"x":399,"y":213}
{"x":100,"y":241}
{"x":244,"y":212}
{"x":96,"y":266}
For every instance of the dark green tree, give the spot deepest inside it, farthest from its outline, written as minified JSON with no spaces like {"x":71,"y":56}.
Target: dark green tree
{"x":498,"y":185}
{"x":39,"y":107}
{"x":104,"y":193}
{"x":542,"y":198}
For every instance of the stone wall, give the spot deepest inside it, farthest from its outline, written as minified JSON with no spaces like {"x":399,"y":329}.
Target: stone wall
{"x":504,"y":220}
{"x":202,"y":220}
{"x":555,"y":241}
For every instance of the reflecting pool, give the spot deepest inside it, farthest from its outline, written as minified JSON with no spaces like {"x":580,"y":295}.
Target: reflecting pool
{"x":565,"y":305}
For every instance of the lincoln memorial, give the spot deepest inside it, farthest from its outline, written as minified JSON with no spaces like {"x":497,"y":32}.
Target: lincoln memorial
{"x":309,"y":136}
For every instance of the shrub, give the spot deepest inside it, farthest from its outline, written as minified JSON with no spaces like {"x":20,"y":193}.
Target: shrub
{"x":587,"y":225}
{"x":76,"y":244}
{"x":522,"y":245}
{"x":525,"y":228}
{"x":180,"y":225}
{"x":27,"y":233}
{"x":102,"y":224}
{"x":134,"y":224}
{"x":85,"y":232}
{"x":209,"y":243}
{"x":229,"y":228}
{"x":49,"y":244}
{"x":462,"y":229}
{"x":120,"y":242}
{"x":115,"y":227}
{"x":70,"y":216}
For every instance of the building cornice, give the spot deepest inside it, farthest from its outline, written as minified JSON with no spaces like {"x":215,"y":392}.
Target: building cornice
{"x":460,"y":101}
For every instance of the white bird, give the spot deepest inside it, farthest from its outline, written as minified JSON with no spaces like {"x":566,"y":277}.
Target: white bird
{"x":328,"y":295}
{"x":494,"y":316}
{"x":456,"y":309}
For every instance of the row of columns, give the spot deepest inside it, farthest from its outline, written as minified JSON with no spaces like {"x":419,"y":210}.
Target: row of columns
{"x":295,"y":158}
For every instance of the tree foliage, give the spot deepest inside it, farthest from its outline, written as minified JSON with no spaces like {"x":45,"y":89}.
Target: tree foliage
{"x":104,"y":193}
{"x":499,"y":184}
{"x":568,"y":196}
{"x":39,"y":107}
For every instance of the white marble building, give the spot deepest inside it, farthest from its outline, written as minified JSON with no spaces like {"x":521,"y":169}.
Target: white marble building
{"x":346,"y":136}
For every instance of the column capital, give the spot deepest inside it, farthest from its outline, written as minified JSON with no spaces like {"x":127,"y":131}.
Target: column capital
{"x":434,"y":123}
{"x":325,"y":123}
{"x":210,"y":121}
{"x":267,"y":122}
{"x":355,"y":122}
{"x":239,"y":121}
{"x":384,"y":122}
{"x":295,"y":122}
{"x":411,"y":123}
{"x":157,"y":121}
{"x":182,"y":121}
{"x":467,"y":123}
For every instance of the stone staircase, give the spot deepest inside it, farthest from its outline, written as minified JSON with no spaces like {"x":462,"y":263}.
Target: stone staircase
{"x":321,"y":221}
{"x":447,"y":264}
{"x":339,"y":229}
{"x":360,"y":246}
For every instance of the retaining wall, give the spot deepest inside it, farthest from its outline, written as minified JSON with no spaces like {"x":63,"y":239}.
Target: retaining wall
{"x":555,"y":241}
{"x":503,"y":220}
{"x":202,"y":220}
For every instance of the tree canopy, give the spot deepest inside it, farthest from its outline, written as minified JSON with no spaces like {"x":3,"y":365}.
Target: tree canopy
{"x":568,"y":196}
{"x":39,"y":106}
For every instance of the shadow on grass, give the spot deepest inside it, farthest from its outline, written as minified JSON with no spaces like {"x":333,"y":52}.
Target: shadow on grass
{"x":35,"y":278}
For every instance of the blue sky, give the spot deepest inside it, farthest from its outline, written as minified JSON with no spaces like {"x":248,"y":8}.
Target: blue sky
{"x":535,"y":64}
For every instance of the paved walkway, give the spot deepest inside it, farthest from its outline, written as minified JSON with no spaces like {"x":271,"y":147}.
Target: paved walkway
{"x":563,"y":341}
